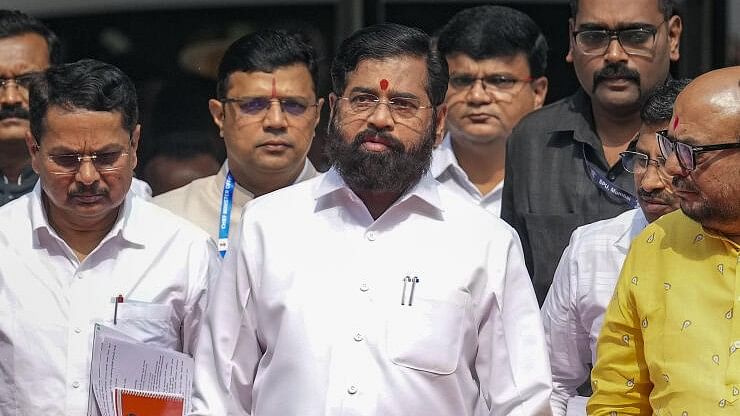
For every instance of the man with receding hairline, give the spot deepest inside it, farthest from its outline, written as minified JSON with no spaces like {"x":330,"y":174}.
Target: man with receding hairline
{"x":671,"y":335}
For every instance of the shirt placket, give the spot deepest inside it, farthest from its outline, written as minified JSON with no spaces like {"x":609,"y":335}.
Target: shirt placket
{"x":733,"y":367}
{"x":78,"y":337}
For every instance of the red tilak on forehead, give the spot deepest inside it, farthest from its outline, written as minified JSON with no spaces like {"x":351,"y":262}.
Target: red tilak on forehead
{"x":675,"y":123}
{"x":274,"y":89}
{"x":383,"y":84}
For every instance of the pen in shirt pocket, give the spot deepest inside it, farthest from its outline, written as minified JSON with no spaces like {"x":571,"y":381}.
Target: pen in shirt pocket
{"x":412,"y":282}
{"x":116,"y":300}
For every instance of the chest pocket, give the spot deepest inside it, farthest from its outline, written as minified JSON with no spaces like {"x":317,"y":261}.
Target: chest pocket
{"x":427,"y":336}
{"x":152,"y":323}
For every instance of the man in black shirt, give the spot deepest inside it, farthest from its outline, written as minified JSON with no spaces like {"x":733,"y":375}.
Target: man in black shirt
{"x":26,"y":47}
{"x":562,"y":162}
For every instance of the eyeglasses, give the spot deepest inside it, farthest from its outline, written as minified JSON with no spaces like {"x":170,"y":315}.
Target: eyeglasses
{"x":21,"y":81}
{"x":258,"y":106}
{"x":69,"y":164}
{"x":401,"y":107}
{"x":637,"y":41}
{"x":686,"y":153}
{"x":636,"y":162}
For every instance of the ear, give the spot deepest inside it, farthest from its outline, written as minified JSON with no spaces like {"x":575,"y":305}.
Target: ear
{"x":135,"y":136}
{"x":675,"y":27}
{"x":332,"y":104}
{"x":571,"y":28}
{"x":33,"y":150}
{"x":217,"y":110}
{"x":539,"y":86}
{"x":319,"y":106}
{"x":439,"y":132}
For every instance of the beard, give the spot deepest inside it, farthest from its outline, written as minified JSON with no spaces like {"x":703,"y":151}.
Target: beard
{"x":394,"y":170}
{"x":723,"y":209}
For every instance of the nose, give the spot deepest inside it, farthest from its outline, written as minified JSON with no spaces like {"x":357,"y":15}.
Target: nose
{"x":275,"y":117}
{"x":87,"y":174}
{"x":652,"y":180}
{"x":477,"y":93}
{"x":381,"y":117}
{"x":615,"y":52}
{"x":12,"y":94}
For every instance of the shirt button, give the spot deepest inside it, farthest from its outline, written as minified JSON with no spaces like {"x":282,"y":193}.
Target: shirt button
{"x":352,"y":389}
{"x":78,"y":330}
{"x":371,"y":236}
{"x":359,"y":337}
{"x":612,"y":176}
{"x":76,"y":384}
{"x":364,"y":287}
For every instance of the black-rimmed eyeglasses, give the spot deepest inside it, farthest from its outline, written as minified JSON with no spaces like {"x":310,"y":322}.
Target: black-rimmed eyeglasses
{"x":686,"y":153}
{"x":637,"y":41}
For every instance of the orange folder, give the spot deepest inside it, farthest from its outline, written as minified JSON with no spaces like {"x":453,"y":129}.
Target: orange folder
{"x":145,"y":403}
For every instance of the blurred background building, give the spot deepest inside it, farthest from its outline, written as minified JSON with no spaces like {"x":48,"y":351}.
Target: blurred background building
{"x":171,"y":48}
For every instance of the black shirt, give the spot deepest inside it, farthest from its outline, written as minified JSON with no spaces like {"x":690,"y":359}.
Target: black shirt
{"x":547,"y":193}
{"x":12,"y":190}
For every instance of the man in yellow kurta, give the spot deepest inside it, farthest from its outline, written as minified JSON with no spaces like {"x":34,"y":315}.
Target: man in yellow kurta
{"x":670,"y":344}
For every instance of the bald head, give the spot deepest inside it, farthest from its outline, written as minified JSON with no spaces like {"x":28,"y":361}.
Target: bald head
{"x":710,"y":102}
{"x":706,"y":117}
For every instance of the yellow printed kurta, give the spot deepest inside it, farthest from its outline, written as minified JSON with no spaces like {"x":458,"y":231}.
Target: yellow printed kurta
{"x":670,"y":344}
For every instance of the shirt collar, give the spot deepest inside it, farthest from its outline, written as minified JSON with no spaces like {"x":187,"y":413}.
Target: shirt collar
{"x":243,"y":195}
{"x":444,"y":158}
{"x":578,"y":120}
{"x":128,"y":225}
{"x":425,"y":190}
{"x":637,"y":224}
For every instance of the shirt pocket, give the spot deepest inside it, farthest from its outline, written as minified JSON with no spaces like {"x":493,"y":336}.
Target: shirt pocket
{"x":428,"y":335}
{"x":151,"y":323}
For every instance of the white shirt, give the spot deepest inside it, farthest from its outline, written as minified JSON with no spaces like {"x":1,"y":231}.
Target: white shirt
{"x":50,"y":301}
{"x":200,"y":201}
{"x":448,"y":171}
{"x":306,"y":317}
{"x":574,"y":308}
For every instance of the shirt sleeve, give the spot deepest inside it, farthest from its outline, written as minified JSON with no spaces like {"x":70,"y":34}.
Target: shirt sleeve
{"x":620,"y":378}
{"x":224,"y":374}
{"x":567,"y":340}
{"x":512,"y":362}
{"x":510,"y":211}
{"x":205,"y":267}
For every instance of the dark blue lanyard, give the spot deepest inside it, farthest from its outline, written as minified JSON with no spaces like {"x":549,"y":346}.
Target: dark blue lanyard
{"x":610,"y":189}
{"x":227,"y":199}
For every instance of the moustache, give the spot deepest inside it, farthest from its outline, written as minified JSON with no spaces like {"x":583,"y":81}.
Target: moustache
{"x":680,"y":182}
{"x":87,"y":190}
{"x":616,"y":70}
{"x":15,"y":111}
{"x":389,"y":140}
{"x":661,"y":196}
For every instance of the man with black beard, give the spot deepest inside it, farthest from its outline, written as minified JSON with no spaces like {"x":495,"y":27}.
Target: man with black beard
{"x":27,"y":47}
{"x":562,"y":161}
{"x":372,"y":289}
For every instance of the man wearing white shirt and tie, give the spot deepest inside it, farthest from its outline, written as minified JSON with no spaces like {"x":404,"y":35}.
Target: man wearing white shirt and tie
{"x":585,"y":278}
{"x":82,"y":248}
{"x":372,"y":289}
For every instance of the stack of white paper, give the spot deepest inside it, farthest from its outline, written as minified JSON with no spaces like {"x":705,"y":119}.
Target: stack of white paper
{"x":119,"y":361}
